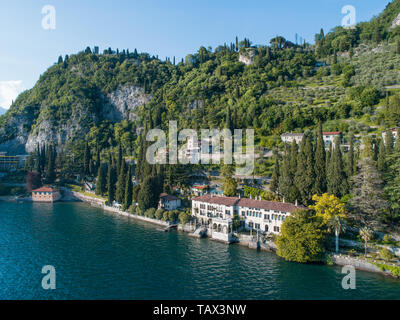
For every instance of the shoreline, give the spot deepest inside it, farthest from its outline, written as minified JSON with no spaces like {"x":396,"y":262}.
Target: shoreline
{"x":337,"y":259}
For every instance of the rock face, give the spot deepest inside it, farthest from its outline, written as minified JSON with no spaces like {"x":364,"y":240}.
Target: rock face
{"x":33,"y":128}
{"x":122,"y":103}
{"x":395,"y":23}
{"x":247,"y":57}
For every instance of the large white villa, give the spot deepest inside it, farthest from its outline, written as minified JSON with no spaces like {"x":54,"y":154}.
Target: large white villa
{"x":217,"y":212}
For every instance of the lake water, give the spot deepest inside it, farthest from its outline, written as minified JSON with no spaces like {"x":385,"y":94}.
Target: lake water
{"x":101,"y":255}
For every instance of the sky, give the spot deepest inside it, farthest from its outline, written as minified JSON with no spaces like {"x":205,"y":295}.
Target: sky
{"x":31,"y":41}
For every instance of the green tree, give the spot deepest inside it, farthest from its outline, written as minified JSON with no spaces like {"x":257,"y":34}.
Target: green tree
{"x":120,"y":194}
{"x":381,"y":163}
{"x":320,"y":164}
{"x":230,"y":186}
{"x":337,"y":179}
{"x":101,"y":181}
{"x":302,"y":237}
{"x":366,"y":234}
{"x":149,"y":194}
{"x":392,"y":188}
{"x":128,"y":189}
{"x":367,"y":201}
{"x":273,"y":185}
{"x":111,"y":180}
{"x":337,"y":225}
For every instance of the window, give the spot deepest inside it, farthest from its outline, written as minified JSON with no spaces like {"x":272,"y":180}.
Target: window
{"x":266,"y":228}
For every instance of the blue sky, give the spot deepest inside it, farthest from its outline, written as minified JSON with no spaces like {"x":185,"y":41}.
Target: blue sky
{"x":164,"y":28}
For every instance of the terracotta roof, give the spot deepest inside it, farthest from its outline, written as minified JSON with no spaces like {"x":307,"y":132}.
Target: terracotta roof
{"x":227,"y":201}
{"x":168,"y":197}
{"x":331,"y":133}
{"x":199,"y":187}
{"x":250,"y":203}
{"x":44,"y":189}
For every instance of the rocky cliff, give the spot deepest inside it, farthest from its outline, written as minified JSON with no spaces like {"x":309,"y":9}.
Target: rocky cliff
{"x":22,"y":132}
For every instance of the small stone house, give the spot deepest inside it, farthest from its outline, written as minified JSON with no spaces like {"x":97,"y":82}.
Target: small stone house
{"x":45,"y":194}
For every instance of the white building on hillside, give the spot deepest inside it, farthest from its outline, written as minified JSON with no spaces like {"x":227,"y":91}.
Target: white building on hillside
{"x":289,"y":137}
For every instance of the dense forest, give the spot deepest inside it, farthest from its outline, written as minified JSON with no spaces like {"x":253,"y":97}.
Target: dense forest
{"x":345,"y":82}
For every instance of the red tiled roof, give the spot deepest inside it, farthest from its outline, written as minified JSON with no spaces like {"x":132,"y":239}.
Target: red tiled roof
{"x":227,"y":201}
{"x":250,"y":203}
{"x":199,"y":187}
{"x":44,"y":189}
{"x":331,"y":133}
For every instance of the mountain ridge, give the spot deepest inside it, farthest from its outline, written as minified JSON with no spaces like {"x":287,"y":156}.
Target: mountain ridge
{"x":87,"y":92}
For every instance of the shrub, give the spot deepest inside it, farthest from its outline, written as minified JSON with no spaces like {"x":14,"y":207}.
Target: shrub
{"x":387,"y":239}
{"x":150,"y":213}
{"x":159,"y":214}
{"x":386,"y":254}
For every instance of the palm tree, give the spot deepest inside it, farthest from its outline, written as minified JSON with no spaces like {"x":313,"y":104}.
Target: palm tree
{"x":366,"y":235}
{"x":337,"y":224}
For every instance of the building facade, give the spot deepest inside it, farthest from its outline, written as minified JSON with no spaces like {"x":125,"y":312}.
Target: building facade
{"x":290,"y":137}
{"x":168,"y":202}
{"x":258,"y":215}
{"x":330,"y":137}
{"x":45,"y":194}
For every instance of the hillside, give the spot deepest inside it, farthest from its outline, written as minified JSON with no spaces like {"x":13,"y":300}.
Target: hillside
{"x":273,"y":88}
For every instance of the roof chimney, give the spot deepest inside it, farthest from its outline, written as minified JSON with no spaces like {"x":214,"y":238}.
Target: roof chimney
{"x":295,"y":203}
{"x":250,"y":195}
{"x":283,"y":200}
{"x":240,"y":195}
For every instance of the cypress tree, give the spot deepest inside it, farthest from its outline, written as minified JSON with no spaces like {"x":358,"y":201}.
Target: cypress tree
{"x":309,"y":178}
{"x":320,"y":164}
{"x":50,"y":170}
{"x":101,"y":181}
{"x":120,"y":195}
{"x":97,"y":158}
{"x":119,"y":160}
{"x":285,"y":176}
{"x":273,"y":186}
{"x":301,"y":172}
{"x":86,"y":159}
{"x":111,"y":179}
{"x":294,"y":150}
{"x":128,"y":189}
{"x":350,"y":158}
{"x":389,"y":142}
{"x":381,"y":163}
{"x":337,"y":180}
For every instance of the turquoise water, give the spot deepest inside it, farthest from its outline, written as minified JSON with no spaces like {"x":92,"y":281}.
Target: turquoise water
{"x":100,"y":255}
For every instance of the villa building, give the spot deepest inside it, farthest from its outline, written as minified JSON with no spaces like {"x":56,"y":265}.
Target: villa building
{"x":258,"y":215}
{"x":330,"y":137}
{"x":168,"y":202}
{"x":290,"y":137}
{"x":46,"y":194}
